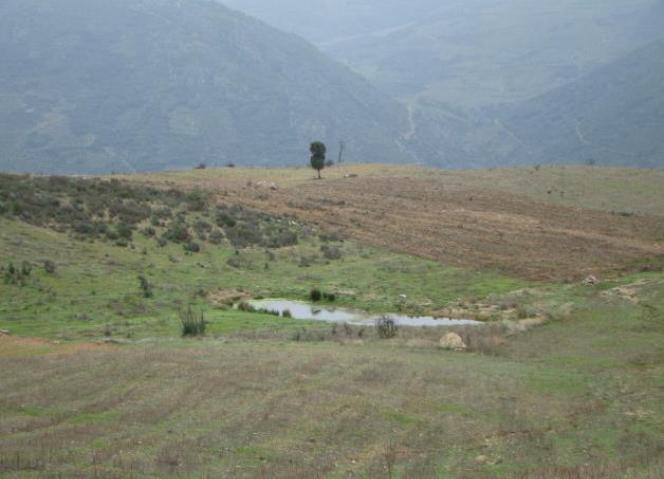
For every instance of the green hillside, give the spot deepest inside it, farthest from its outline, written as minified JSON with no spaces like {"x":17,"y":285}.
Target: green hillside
{"x":91,"y":86}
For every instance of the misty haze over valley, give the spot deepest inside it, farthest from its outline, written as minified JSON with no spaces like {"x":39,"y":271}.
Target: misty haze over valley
{"x":133,"y":85}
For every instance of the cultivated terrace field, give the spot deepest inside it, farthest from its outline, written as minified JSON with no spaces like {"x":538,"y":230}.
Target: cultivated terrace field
{"x":563,"y":265}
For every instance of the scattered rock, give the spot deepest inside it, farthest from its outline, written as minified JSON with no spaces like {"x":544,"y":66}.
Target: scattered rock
{"x":350,"y":175}
{"x":5,"y":332}
{"x":481,"y":459}
{"x":591,"y":281}
{"x":452,"y":342}
{"x":274,"y":187}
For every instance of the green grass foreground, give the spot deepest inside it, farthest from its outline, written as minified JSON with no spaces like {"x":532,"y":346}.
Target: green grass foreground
{"x":579,"y":398}
{"x":564,"y":381}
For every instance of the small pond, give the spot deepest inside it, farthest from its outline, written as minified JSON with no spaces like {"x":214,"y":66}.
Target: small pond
{"x":319,"y":312}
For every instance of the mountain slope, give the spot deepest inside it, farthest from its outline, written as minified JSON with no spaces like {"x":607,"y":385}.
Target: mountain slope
{"x":613,"y":116}
{"x":91,"y":86}
{"x":468,"y":52}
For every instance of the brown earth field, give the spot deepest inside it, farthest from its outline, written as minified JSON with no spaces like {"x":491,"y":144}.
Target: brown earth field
{"x":547,"y":224}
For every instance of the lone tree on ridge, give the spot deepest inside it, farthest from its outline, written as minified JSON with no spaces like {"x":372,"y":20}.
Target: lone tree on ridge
{"x":318,"y":151}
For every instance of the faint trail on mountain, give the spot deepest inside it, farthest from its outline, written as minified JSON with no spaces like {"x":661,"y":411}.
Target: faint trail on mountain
{"x":412,"y":131}
{"x":510,"y":133}
{"x":580,"y":134}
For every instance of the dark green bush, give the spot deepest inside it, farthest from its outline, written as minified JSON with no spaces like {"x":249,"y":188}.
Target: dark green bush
{"x":216,"y":237}
{"x":192,"y":325}
{"x":178,"y":232}
{"x":13,"y":275}
{"x":331,"y":252}
{"x":192,"y":247}
{"x":225,"y":220}
{"x":246,"y":307}
{"x":197,"y":200}
{"x":49,"y":266}
{"x":331,"y":297}
{"x":124,"y":231}
{"x":145,"y":286}
{"x":386,"y":328}
{"x":315,"y":295}
{"x":26,"y":268}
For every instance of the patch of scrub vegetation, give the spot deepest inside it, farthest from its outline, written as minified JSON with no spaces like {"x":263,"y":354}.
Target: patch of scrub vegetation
{"x":113,"y":211}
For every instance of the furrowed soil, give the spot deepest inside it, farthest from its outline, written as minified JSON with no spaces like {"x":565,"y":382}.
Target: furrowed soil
{"x":555,"y":224}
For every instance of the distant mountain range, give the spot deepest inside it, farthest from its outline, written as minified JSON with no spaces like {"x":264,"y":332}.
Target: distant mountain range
{"x":91,"y":86}
{"x":612,"y":116}
{"x":468,"y":52}
{"x":502,"y":82}
{"x":94,"y":86}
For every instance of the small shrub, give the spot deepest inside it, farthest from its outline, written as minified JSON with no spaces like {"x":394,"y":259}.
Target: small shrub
{"x":192,"y":247}
{"x":239,"y":262}
{"x":246,"y":307}
{"x":124,"y":231}
{"x":149,"y":232}
{"x":192,"y":325}
{"x":331,"y":252}
{"x":315,"y":295}
{"x":178,"y":233}
{"x":13,"y":275}
{"x":145,"y":286}
{"x":286,"y":313}
{"x":197,"y":200}
{"x":331,"y":297}
{"x":225,"y":220}
{"x":202,"y":226}
{"x":49,"y":266}
{"x":26,"y":268}
{"x":386,"y":328}
{"x":216,"y":237}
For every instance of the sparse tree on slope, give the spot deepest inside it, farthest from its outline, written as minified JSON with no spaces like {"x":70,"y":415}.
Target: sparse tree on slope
{"x":318,"y":151}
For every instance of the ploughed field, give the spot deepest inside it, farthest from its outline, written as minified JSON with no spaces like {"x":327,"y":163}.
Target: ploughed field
{"x":564,"y":380}
{"x":543,"y":224}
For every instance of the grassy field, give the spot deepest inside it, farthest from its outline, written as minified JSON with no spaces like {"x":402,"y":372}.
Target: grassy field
{"x":564,"y":381}
{"x":95,"y":289}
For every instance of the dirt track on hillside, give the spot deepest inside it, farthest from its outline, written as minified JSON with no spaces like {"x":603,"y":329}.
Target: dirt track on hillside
{"x":463,"y":227}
